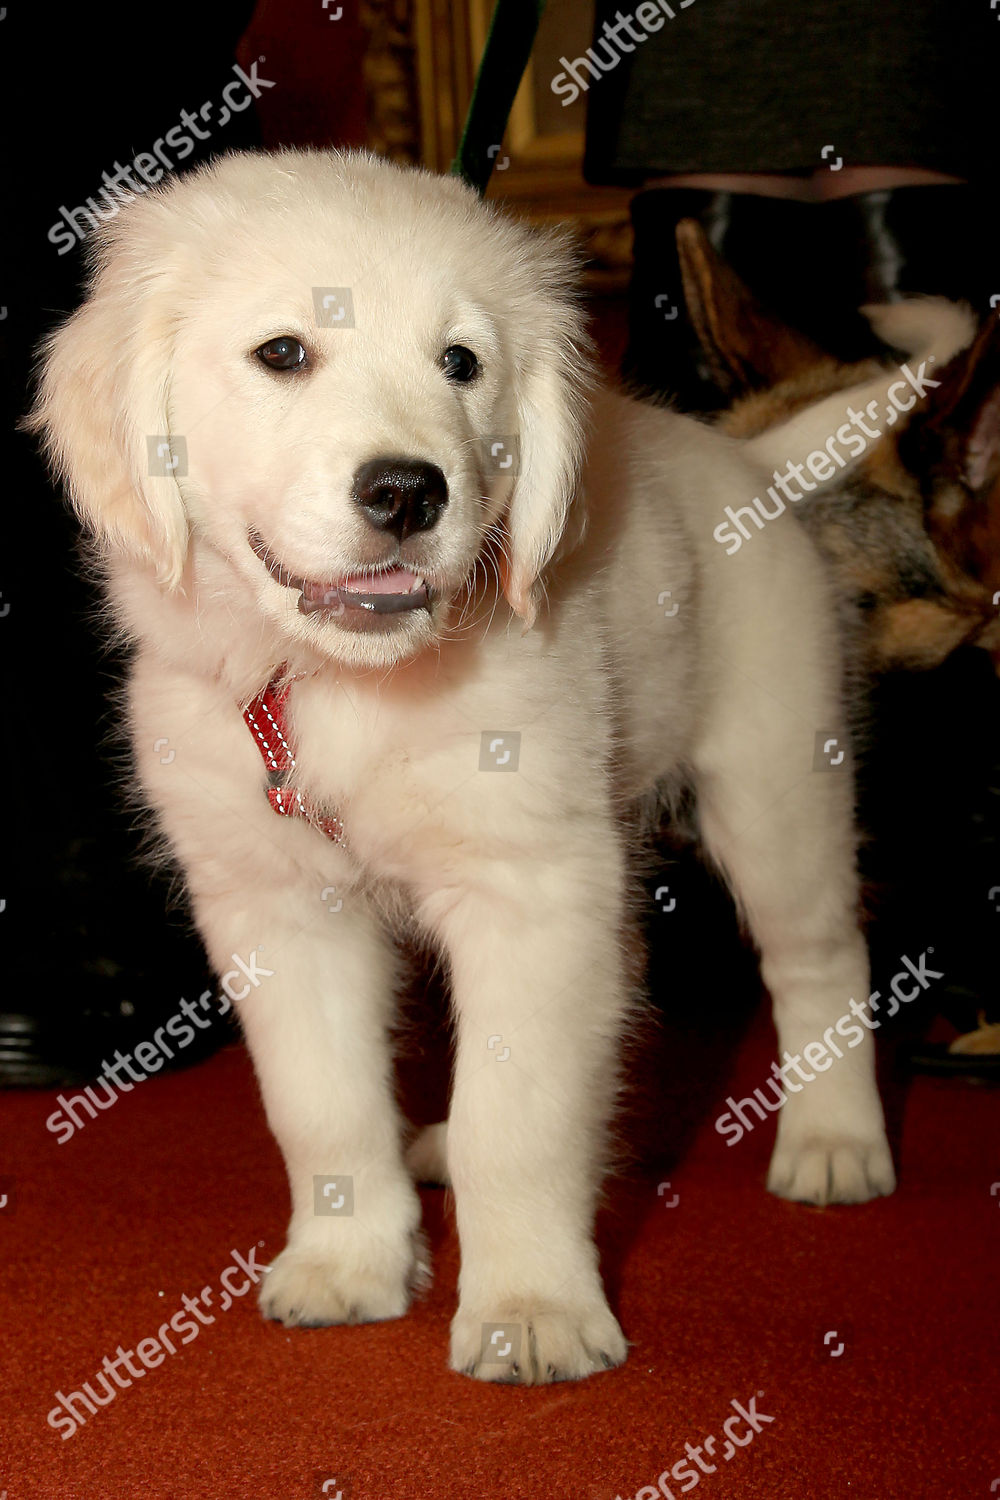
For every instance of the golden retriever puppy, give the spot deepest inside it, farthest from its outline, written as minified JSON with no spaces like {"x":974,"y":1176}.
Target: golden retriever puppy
{"x":333,"y":427}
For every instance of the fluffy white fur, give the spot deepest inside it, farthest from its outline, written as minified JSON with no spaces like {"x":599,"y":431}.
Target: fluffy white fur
{"x":518,"y":879}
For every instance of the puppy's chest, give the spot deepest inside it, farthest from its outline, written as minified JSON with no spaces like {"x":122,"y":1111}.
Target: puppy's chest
{"x":430,"y":784}
{"x":388,"y":770}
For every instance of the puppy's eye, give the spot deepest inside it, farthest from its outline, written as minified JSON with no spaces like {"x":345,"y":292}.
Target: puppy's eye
{"x":283,"y":353}
{"x":459,"y":363}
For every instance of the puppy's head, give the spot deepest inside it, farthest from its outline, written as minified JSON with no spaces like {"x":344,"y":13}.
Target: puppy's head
{"x":345,"y":383}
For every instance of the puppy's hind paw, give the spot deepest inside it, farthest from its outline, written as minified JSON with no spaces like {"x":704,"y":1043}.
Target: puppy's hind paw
{"x":426,"y":1159}
{"x":831,"y":1170}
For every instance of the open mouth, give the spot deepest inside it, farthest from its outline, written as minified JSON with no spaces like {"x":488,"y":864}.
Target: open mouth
{"x":386,"y":591}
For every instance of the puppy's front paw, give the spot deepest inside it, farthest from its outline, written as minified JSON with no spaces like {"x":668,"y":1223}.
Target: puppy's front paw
{"x":535,"y":1343}
{"x":831,"y":1169}
{"x":306,"y":1289}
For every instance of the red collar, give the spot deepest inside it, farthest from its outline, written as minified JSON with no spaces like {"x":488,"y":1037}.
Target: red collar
{"x":266,"y":719}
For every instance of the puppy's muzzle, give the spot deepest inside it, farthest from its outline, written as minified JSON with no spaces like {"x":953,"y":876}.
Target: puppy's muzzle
{"x":400,"y":495}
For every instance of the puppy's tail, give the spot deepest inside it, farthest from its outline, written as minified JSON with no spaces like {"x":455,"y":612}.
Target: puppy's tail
{"x":923,"y":326}
{"x":427,"y":1156}
{"x":930,"y":330}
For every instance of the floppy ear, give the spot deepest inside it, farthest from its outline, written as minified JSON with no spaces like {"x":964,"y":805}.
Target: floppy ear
{"x":552,"y":384}
{"x":102,"y":397}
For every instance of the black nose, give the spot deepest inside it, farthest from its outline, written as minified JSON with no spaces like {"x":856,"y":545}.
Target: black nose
{"x":401,"y":495}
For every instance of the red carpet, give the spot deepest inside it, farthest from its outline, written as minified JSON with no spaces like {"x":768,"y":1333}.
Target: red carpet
{"x":726,"y":1296}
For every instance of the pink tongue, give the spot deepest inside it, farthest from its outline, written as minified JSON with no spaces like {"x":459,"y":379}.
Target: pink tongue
{"x":398,"y":581}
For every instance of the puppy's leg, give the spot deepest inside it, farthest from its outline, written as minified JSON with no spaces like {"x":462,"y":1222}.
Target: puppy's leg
{"x":783,"y":833}
{"x":316,"y":1029}
{"x":539,"y":991}
{"x":320,"y":1050}
{"x":316,"y":1021}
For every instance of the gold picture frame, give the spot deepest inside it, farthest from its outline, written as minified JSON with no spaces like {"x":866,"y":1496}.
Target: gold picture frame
{"x":420,"y":69}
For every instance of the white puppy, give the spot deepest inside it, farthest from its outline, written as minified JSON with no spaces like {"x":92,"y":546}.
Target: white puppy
{"x":327,"y":420}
